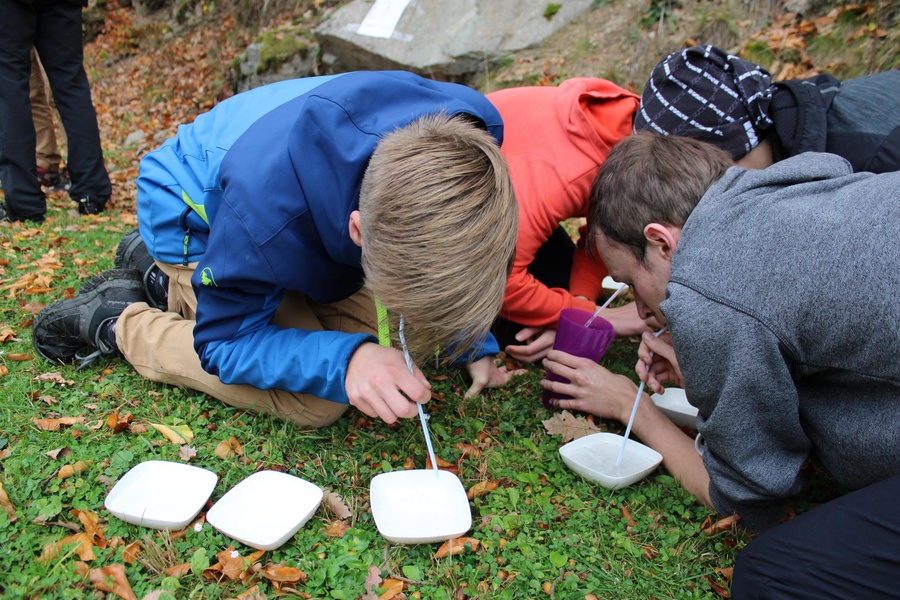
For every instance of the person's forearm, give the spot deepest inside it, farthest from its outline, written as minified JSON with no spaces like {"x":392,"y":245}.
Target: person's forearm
{"x":679,"y":455}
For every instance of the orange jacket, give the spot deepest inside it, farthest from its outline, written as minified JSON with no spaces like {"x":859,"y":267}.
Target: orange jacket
{"x":554,"y":140}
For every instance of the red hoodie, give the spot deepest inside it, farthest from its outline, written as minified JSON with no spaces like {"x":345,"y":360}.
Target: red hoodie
{"x":555,"y":139}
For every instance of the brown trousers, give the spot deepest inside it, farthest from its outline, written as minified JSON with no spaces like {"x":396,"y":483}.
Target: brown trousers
{"x":42,"y":111}
{"x":160,"y":346}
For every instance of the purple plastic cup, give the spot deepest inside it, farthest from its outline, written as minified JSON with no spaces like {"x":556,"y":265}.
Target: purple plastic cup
{"x":574,"y":338}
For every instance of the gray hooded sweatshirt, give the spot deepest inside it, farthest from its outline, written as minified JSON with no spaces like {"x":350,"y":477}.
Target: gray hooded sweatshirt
{"x":784,"y":308}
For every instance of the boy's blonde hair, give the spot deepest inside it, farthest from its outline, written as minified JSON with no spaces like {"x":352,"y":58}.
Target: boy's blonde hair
{"x":650,"y":178}
{"x":439,"y":222}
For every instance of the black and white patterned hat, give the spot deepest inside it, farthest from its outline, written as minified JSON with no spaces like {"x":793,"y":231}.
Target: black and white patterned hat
{"x":707,"y":94}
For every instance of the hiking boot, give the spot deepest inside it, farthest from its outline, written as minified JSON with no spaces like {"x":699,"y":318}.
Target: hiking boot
{"x":63,"y":331}
{"x":132,"y":254}
{"x":90,"y":206}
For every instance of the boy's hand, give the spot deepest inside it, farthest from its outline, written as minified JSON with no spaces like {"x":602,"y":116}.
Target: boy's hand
{"x":594,"y":389}
{"x":380,"y":385}
{"x":663,"y":365}
{"x":485,"y":373}
{"x":538,"y":341}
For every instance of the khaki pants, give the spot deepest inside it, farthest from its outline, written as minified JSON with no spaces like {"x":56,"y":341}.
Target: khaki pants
{"x":42,"y":110}
{"x":160,"y":346}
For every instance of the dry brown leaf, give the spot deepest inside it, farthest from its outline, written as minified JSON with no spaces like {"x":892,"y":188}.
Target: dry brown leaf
{"x":19,"y":357}
{"x":7,"y":505}
{"x":55,"y":424}
{"x":455,"y":546}
{"x":7,"y":334}
{"x":131,"y":552}
{"x":442,"y":464}
{"x":336,"y":505}
{"x":373,"y":580}
{"x":281,"y":573}
{"x":336,"y":528}
{"x":186,"y":453}
{"x":722,"y":525}
{"x":177,"y":434}
{"x":4,"y":371}
{"x":231,"y":564}
{"x":178,"y":570}
{"x":84,"y":547}
{"x":468,"y":450}
{"x":58,"y":453}
{"x":67,"y":471}
{"x":229,"y":448}
{"x":109,"y":579}
{"x":718,"y":589}
{"x":90,"y":521}
{"x":392,"y":588}
{"x":54,"y":378}
{"x":481,"y":488}
{"x":569,"y":426}
{"x":119,"y":423}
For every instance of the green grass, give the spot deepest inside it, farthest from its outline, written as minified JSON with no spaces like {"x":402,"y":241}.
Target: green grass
{"x":544,"y":532}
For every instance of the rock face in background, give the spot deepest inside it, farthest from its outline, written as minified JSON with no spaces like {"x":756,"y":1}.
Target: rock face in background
{"x":444,"y":39}
{"x":276,"y":55}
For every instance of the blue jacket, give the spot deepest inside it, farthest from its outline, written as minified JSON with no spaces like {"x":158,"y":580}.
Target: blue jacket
{"x":259,"y":191}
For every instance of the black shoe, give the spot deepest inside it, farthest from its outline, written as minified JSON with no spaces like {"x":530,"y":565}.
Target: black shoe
{"x":90,"y":206}
{"x":132,"y":254}
{"x":60,"y":181}
{"x":5,"y":216}
{"x":63,"y":330}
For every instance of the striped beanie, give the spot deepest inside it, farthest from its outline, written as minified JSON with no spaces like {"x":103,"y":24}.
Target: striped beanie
{"x":707,"y":94}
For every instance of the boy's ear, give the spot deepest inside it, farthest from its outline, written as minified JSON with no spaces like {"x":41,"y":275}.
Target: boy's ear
{"x":664,"y":238}
{"x":354,"y":228}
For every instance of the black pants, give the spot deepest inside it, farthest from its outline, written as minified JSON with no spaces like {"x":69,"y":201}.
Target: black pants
{"x":53,"y":27}
{"x":552,"y":266}
{"x":848,"y":548}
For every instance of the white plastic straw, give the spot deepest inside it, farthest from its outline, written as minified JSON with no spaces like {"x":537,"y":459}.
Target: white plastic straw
{"x":605,"y":304}
{"x":422,"y":416}
{"x":637,"y":400}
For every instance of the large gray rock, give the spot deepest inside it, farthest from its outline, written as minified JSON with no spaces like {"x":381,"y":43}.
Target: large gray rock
{"x":443,"y":39}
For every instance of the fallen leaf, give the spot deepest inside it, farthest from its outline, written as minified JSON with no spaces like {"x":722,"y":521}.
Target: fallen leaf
{"x":55,"y":424}
{"x":90,"y":522}
{"x":177,"y":434}
{"x":718,"y":589}
{"x":455,"y":546}
{"x":58,"y":453}
{"x":54,"y":378}
{"x":7,"y":505}
{"x":178,"y":570}
{"x":336,"y":528}
{"x":7,"y":334}
{"x":722,"y":525}
{"x":229,"y":448}
{"x":336,"y":505}
{"x":468,"y":450}
{"x":392,"y":588}
{"x":19,"y":357}
{"x":442,"y":464}
{"x":282,"y":573}
{"x":373,"y":580}
{"x":119,"y":423}
{"x":186,"y":453}
{"x":569,"y":426}
{"x":84,"y":547}
{"x":4,"y":371}
{"x":481,"y":488}
{"x":132,"y":551}
{"x":67,"y":471}
{"x":109,"y":579}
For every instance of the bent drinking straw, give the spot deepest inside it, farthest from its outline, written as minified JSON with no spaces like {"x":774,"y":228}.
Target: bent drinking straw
{"x":605,"y":304}
{"x":422,"y":416}
{"x":634,"y":408}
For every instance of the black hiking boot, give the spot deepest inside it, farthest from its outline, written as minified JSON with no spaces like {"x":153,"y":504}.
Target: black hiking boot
{"x":132,"y":254}
{"x":64,"y":330}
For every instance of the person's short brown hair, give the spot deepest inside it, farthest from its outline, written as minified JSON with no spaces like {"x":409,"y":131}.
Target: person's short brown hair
{"x":651,"y":178}
{"x":439,"y":222}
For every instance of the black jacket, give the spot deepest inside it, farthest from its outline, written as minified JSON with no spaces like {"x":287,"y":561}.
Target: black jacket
{"x":858,"y":119}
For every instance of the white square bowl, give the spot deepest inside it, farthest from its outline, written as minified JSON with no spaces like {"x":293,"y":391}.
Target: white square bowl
{"x":674,"y":404}
{"x":419,"y":506}
{"x":266,"y":509}
{"x":594,"y":458}
{"x":161,"y":494}
{"x":609,"y":284}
